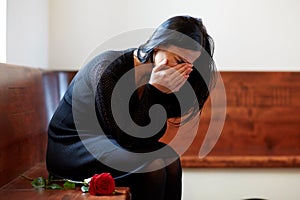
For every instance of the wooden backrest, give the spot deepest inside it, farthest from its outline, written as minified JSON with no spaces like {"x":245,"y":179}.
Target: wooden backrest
{"x":28,"y":97}
{"x":262,"y":124}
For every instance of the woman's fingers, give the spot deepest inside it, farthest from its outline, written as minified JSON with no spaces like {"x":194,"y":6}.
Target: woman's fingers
{"x":184,"y":71}
{"x":176,"y":76}
{"x":170,"y":79}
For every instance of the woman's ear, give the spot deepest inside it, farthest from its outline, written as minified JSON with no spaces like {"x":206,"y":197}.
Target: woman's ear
{"x":155,"y":50}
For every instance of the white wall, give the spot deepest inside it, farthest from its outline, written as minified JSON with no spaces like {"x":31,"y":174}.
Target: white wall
{"x":238,"y":184}
{"x":249,"y":35}
{"x":27,"y":32}
{"x":3,"y":31}
{"x":78,"y":26}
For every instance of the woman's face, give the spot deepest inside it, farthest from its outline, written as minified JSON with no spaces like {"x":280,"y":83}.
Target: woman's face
{"x":175,"y":55}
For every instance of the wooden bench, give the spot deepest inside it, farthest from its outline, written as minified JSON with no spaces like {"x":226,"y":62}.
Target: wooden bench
{"x":261,"y":128}
{"x":28,"y":98}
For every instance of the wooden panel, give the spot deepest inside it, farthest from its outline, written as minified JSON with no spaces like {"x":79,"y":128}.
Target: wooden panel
{"x":28,"y":98}
{"x":22,"y":123}
{"x":262,"y":125}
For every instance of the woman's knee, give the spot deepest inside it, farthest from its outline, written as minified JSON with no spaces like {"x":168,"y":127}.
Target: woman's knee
{"x":156,"y":164}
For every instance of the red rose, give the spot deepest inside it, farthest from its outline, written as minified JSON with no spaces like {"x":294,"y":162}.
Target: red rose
{"x":102,"y":184}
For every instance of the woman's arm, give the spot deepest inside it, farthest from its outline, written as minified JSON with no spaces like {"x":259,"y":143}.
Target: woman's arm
{"x":139,"y":112}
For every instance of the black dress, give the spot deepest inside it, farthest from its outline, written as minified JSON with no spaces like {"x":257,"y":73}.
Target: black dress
{"x":103,"y":124}
{"x":92,"y":132}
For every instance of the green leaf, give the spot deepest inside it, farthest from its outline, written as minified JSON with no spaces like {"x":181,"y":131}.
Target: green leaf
{"x":69,"y":185}
{"x":84,"y":189}
{"x":54,"y":186}
{"x":39,"y":182}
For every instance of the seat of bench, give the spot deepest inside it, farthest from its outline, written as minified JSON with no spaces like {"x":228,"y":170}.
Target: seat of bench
{"x":20,"y":188}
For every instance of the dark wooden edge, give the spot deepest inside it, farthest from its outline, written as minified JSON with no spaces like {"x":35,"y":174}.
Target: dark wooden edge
{"x":241,"y":162}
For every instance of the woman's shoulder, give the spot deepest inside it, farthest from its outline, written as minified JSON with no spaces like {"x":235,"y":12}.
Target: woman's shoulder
{"x":106,"y":58}
{"x":106,"y":62}
{"x":111,"y":55}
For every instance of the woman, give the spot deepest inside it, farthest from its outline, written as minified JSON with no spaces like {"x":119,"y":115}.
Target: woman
{"x":109,"y":121}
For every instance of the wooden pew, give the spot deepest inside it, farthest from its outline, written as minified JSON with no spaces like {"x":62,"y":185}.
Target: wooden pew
{"x":28,"y":98}
{"x":261,"y":127}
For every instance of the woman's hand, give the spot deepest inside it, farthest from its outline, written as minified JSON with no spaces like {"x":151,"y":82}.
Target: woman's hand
{"x":170,"y":79}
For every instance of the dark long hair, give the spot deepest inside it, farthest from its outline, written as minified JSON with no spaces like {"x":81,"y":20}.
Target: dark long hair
{"x":189,"y":33}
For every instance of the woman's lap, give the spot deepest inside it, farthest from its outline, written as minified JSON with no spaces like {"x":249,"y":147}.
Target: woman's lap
{"x":82,"y":159}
